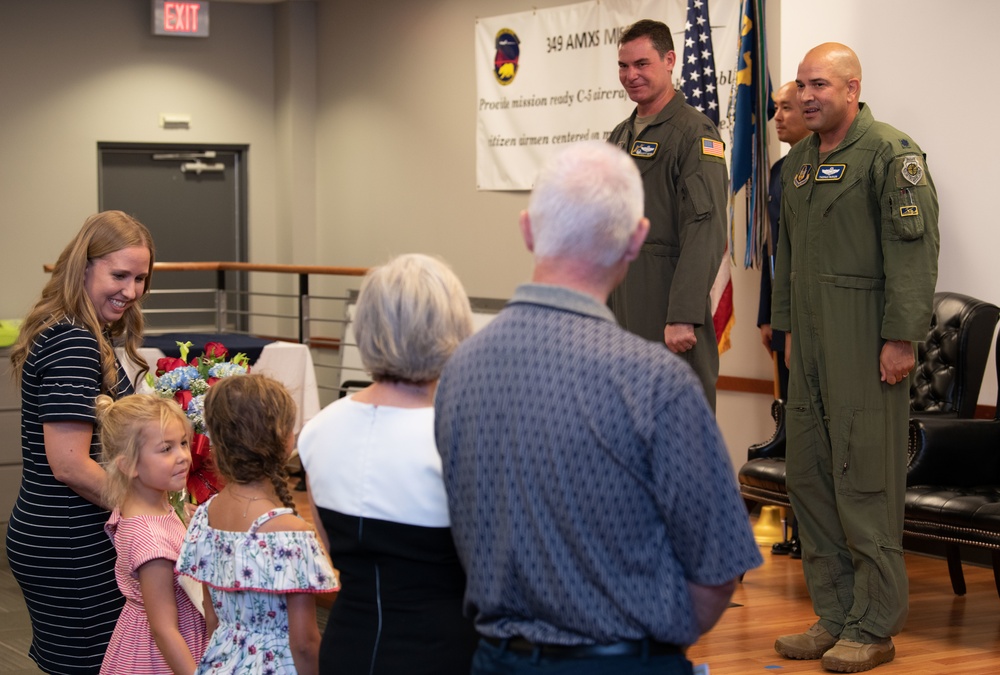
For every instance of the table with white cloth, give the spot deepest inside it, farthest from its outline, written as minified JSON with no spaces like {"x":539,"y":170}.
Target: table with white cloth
{"x":287,"y":362}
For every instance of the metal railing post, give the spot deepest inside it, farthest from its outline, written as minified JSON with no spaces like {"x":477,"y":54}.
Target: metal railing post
{"x":304,"y":309}
{"x":220,"y":301}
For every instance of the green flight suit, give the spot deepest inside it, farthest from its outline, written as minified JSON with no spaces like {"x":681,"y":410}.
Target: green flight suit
{"x":687,"y":186}
{"x":856,"y":266}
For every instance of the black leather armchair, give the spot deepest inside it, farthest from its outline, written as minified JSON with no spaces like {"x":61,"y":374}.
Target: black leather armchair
{"x":946,"y":383}
{"x":953,"y":486}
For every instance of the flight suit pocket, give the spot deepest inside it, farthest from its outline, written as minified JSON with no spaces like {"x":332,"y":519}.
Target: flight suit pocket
{"x":859,"y":451}
{"x":903,"y":211}
{"x":701,"y":201}
{"x":801,"y":441}
{"x":905,"y":205}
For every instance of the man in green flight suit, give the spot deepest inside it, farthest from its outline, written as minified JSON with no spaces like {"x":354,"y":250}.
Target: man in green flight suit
{"x":854,"y":284}
{"x":665,"y":296}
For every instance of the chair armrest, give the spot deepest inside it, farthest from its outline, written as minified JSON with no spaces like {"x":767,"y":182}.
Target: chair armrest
{"x":774,"y":447}
{"x":954,"y":452}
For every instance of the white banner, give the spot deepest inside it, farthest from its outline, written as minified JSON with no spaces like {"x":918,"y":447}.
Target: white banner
{"x":550,"y":76}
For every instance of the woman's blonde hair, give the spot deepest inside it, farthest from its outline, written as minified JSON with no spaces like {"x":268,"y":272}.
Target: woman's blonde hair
{"x":250,"y":419}
{"x":65,"y":296}
{"x":122,"y":425}
{"x":412,"y":313}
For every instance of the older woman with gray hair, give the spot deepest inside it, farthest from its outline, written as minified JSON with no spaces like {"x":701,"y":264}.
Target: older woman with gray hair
{"x":375,"y":483}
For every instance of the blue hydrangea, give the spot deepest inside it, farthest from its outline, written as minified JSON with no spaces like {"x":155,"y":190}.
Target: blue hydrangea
{"x":196,"y":413}
{"x":177,"y":379}
{"x":226,"y":369}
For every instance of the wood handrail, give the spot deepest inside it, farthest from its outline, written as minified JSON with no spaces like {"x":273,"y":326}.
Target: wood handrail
{"x":725,"y":382}
{"x":249,"y":267}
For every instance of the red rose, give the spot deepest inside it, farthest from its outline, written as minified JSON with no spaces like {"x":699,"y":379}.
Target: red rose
{"x":168,"y":363}
{"x":183,"y":397}
{"x":216,"y":350}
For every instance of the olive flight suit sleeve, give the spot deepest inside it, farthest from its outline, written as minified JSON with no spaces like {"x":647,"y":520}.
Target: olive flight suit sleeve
{"x":910,"y":240}
{"x":702,"y":189}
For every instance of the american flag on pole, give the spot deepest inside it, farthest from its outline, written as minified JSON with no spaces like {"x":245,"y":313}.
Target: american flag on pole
{"x":701,"y":90}
{"x":698,"y":70}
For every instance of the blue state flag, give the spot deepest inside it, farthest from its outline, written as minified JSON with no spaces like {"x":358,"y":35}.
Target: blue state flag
{"x":752,"y":106}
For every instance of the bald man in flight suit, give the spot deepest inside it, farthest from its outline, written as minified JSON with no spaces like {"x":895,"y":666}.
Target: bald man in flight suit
{"x":854,"y":282}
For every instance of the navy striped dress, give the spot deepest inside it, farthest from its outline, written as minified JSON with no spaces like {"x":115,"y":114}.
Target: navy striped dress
{"x":56,"y":544}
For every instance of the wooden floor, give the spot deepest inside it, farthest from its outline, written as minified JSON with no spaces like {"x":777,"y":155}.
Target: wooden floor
{"x":945,"y":633}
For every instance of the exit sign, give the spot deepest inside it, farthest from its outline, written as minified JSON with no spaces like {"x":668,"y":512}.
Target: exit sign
{"x":182,"y":18}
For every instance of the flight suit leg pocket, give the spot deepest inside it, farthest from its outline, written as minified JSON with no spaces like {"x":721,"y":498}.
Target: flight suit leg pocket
{"x":859,"y":451}
{"x":801,"y":442}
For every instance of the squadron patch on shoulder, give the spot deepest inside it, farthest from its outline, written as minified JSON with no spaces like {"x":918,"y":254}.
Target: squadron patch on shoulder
{"x":912,"y":169}
{"x":906,"y":211}
{"x":802,"y":177}
{"x":644,"y":149}
{"x":830,"y":173}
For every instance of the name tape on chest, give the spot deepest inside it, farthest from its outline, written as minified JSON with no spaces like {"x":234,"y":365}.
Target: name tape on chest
{"x":830,"y":173}
{"x":644,"y":149}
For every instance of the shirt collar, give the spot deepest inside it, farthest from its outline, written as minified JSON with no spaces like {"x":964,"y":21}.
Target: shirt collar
{"x":673,"y":106}
{"x":560,"y":297}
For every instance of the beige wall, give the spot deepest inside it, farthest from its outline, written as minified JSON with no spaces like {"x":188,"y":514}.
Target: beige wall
{"x":76,"y":73}
{"x":396,"y":133}
{"x":360,"y":119}
{"x":926,"y":72}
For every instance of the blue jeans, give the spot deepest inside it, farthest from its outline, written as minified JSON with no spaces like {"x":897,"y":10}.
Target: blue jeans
{"x":492,"y":660}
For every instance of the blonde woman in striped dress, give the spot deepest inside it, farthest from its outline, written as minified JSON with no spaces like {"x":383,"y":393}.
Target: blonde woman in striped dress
{"x":63,"y":359}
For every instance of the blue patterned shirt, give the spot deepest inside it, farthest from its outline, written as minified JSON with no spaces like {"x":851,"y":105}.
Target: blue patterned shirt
{"x":587,"y":480}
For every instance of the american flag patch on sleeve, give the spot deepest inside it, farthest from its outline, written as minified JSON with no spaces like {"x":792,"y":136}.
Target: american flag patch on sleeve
{"x":710,"y":146}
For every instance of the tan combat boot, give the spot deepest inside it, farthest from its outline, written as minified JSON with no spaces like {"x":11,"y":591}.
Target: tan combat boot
{"x":848,"y":656}
{"x":809,"y":645}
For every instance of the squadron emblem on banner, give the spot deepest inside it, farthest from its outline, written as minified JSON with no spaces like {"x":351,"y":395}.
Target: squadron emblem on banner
{"x":912,"y":171}
{"x":508,"y":51}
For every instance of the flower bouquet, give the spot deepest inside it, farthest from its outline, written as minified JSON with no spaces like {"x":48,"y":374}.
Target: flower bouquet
{"x":187,"y":383}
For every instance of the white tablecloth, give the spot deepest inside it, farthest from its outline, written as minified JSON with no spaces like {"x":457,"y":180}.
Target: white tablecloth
{"x":288,"y":362}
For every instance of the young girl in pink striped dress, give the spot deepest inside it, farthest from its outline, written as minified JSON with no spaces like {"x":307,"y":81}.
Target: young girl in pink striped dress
{"x":146,"y":449}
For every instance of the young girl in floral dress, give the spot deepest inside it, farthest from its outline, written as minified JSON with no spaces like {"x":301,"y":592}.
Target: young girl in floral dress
{"x":260,"y":563}
{"x":146,"y":451}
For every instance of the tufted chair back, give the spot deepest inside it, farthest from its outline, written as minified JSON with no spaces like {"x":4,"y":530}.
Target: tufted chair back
{"x":951,"y":362}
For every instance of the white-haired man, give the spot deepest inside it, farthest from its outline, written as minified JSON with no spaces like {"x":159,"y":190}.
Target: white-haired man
{"x":592,"y":501}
